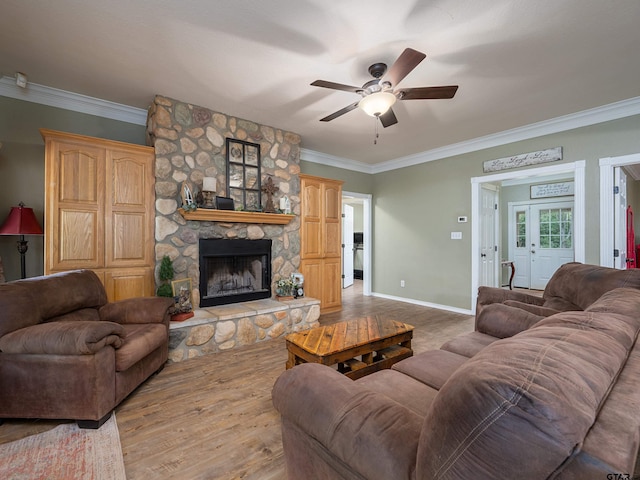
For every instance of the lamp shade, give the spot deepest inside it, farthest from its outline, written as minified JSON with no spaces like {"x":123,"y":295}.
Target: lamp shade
{"x":377,"y":103}
{"x":21,"y":221}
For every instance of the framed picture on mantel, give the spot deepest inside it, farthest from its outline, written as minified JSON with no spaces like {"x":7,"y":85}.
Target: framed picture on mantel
{"x":243,"y":174}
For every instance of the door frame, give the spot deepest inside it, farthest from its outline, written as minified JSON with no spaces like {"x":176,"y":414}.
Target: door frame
{"x":576,"y":168}
{"x":366,"y":234}
{"x":607,"y":165}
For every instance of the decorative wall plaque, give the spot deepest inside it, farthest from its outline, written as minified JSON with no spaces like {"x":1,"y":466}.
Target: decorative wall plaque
{"x":558,"y":189}
{"x":523,"y":160}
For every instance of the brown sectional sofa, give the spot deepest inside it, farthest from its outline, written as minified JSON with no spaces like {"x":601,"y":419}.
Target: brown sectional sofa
{"x":551,"y":396}
{"x":66,"y":353}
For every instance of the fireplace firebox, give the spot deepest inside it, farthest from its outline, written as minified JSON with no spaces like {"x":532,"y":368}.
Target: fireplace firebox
{"x":234,"y":270}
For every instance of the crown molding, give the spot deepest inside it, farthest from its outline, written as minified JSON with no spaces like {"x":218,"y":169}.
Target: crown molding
{"x":76,"y":102}
{"x":605,"y":113}
{"x":333,"y":161}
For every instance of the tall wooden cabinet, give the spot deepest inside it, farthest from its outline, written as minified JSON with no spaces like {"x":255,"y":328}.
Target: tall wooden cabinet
{"x":321,"y":240}
{"x":99,"y":211}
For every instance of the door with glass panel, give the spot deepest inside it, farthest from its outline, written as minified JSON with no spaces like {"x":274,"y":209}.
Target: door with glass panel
{"x":541,"y":240}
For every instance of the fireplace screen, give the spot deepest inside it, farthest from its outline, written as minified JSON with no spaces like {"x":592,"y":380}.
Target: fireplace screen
{"x":234,"y":271}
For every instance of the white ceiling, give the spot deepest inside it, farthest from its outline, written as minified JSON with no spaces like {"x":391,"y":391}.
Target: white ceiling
{"x":517,"y":62}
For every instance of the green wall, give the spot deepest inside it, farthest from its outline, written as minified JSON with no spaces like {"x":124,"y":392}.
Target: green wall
{"x":415,"y":209}
{"x":22,"y":165}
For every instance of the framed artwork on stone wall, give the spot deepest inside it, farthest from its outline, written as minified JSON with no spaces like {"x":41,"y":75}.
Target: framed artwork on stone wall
{"x":243,"y":174}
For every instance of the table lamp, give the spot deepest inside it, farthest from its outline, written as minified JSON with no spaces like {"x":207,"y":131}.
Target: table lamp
{"x":21,"y":221}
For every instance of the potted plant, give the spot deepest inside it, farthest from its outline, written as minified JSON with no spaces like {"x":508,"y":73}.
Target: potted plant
{"x":166,"y":275}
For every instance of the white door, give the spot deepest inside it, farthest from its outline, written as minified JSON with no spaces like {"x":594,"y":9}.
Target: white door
{"x":551,"y":240}
{"x":619,"y":219}
{"x":347,"y":246}
{"x":519,"y":241}
{"x":488,"y":247}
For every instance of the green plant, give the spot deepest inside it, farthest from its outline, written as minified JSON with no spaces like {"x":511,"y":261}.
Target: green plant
{"x":166,"y":274}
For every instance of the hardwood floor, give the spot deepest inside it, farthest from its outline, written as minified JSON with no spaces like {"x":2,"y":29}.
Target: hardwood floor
{"x":211,"y":417}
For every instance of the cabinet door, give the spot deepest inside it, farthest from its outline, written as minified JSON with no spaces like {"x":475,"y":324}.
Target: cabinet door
{"x":312,"y":271}
{"x":332,"y":209}
{"x":121,"y":284}
{"x":331,"y":285}
{"x":74,"y":225}
{"x":311,"y":219}
{"x":129,"y":209}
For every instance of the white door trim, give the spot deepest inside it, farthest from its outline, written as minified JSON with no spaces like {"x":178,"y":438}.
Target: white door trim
{"x":606,"y":203}
{"x":366,"y":234}
{"x":579,"y":214}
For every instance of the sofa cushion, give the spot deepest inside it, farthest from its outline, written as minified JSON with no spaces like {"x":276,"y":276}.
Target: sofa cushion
{"x":408,"y":392}
{"x":34,"y":300}
{"x":139,"y":341}
{"x":575,"y":286}
{"x":501,"y":320}
{"x":19,"y":307}
{"x":468,"y":344}
{"x":529,"y":399}
{"x":433,"y":367}
{"x":63,"y":338}
{"x":84,"y":314}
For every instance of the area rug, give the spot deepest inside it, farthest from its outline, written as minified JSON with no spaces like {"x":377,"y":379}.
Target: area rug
{"x":65,"y":452}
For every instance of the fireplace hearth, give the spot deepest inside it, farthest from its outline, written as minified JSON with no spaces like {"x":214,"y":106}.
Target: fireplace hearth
{"x":234,"y":270}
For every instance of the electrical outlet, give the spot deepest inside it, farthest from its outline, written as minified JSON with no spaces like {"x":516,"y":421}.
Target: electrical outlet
{"x":402,"y":283}
{"x":456,"y":235}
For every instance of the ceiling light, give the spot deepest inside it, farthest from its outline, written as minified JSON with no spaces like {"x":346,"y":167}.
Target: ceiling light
{"x":377,"y":103}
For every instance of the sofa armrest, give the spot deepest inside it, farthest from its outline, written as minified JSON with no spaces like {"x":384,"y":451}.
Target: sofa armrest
{"x":375,"y":436}
{"x":63,"y":338}
{"x":491,"y":295}
{"x":501,"y":321}
{"x":138,"y":310}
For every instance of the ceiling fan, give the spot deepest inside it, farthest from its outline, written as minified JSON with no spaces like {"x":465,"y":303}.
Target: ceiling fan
{"x":379,"y":94}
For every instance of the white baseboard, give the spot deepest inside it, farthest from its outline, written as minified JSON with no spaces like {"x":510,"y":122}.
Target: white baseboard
{"x":448,"y":308}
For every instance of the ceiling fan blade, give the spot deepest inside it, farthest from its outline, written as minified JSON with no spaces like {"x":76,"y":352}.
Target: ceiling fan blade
{"x":340,"y":112}
{"x":388,"y":118}
{"x":425,"y":93}
{"x":407,"y":61}
{"x":336,"y":86}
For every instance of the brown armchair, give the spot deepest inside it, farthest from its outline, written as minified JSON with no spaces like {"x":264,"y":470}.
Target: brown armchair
{"x":66,"y":353}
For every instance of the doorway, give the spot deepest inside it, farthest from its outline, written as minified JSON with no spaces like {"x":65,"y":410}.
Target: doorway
{"x":359,"y":254}
{"x":571,"y":169}
{"x":607,"y":202}
{"x":540,"y":240}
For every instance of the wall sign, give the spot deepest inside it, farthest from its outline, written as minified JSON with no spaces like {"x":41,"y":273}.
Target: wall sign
{"x":546,"y":190}
{"x":522,"y":160}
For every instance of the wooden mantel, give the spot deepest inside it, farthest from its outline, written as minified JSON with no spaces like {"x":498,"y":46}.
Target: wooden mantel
{"x":233,"y":216}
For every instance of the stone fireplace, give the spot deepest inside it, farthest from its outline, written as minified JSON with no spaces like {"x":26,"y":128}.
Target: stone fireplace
{"x":190,"y":144}
{"x":234,"y":270}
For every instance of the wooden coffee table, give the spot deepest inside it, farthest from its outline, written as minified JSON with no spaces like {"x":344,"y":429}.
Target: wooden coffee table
{"x":359,"y":347}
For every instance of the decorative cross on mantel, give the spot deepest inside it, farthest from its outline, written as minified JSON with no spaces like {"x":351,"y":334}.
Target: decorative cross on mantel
{"x":269,"y":188}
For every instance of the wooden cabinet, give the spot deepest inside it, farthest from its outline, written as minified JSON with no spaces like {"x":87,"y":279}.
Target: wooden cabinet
{"x":99,"y":211}
{"x":321,"y":240}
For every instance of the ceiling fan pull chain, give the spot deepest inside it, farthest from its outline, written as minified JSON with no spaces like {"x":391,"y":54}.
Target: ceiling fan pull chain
{"x":375,"y":138}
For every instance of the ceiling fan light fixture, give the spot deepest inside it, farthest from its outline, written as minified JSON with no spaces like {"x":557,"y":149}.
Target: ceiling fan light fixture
{"x":378,"y":103}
